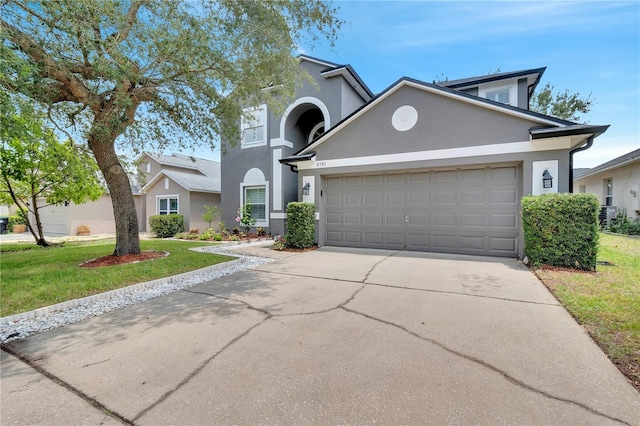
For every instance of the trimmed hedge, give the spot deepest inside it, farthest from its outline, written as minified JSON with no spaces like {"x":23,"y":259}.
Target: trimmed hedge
{"x":166,"y":225}
{"x":301,"y":225}
{"x":561,"y":230}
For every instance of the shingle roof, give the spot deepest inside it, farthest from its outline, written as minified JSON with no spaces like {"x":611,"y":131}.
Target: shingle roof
{"x":627,"y":158}
{"x":206,"y":167}
{"x":471,"y":81}
{"x":194,"y":182}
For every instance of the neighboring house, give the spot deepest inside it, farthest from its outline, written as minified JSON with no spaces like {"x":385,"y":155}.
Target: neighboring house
{"x":616,"y":183}
{"x":172,"y":184}
{"x":433,"y":167}
{"x":179,"y":184}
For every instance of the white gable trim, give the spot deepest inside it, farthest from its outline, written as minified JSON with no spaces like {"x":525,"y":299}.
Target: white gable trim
{"x":441,"y":154}
{"x":437,"y":91}
{"x":156,"y":178}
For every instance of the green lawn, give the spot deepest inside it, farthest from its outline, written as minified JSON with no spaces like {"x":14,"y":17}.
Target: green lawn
{"x":32,"y":277}
{"x":607,"y":302}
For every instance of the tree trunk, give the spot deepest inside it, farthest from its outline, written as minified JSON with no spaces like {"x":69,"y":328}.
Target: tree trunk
{"x":124,"y":208}
{"x":36,"y":214}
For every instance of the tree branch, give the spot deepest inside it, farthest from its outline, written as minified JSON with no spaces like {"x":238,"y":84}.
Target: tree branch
{"x":51,"y":68}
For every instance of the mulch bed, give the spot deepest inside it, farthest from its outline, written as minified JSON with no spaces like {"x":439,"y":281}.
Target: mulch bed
{"x":112,"y":260}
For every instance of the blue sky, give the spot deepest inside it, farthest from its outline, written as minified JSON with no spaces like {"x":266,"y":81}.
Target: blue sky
{"x":587,"y":47}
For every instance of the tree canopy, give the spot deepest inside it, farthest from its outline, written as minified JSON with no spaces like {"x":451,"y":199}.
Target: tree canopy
{"x":561,"y":104}
{"x":192,"y":64}
{"x":37,"y":170}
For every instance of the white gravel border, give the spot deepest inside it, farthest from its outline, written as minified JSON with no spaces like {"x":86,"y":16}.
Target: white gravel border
{"x":25,"y":324}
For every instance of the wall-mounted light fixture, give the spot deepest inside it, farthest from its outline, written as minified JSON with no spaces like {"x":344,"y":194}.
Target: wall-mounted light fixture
{"x":547,"y":179}
{"x":306,"y":188}
{"x":633,"y":192}
{"x":66,"y":204}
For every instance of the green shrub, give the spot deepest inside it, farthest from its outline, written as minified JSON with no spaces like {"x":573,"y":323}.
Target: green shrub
{"x":217,"y":237}
{"x":280,"y":244}
{"x":301,"y":225}
{"x":166,"y":225}
{"x":208,"y":234}
{"x":622,"y":225}
{"x":561,"y":230}
{"x":17,"y":219}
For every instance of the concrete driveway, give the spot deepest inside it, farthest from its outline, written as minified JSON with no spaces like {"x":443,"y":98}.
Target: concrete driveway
{"x":332,"y":336}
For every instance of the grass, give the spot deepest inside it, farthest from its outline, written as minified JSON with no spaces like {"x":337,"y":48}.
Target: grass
{"x":32,"y":277}
{"x":606,"y":302}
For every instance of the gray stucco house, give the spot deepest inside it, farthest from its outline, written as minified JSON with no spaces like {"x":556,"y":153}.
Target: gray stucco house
{"x":420,"y":166}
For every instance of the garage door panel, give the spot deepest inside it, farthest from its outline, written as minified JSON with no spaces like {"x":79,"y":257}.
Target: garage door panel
{"x":394,"y":219}
{"x":394,"y":199}
{"x":373,"y":219}
{"x":395,"y":239}
{"x":395,"y":179}
{"x":373,"y":199}
{"x":502,"y":244}
{"x":419,"y":178}
{"x":334,"y":218}
{"x":471,"y":198}
{"x":472,"y":211}
{"x":334,"y":200}
{"x":444,"y":198}
{"x":472,"y":220}
{"x":503,"y":220}
{"x":508,"y":196}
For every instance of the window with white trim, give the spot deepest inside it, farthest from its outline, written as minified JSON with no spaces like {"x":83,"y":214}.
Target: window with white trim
{"x":253,"y":127}
{"x":255,"y":197}
{"x":582,"y":189}
{"x":503,"y":94}
{"x":168,"y":205}
{"x":608,"y":192}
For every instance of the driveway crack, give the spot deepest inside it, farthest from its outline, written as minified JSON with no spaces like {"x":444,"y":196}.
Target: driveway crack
{"x":55,"y":379}
{"x":200,"y":368}
{"x":489,"y":366}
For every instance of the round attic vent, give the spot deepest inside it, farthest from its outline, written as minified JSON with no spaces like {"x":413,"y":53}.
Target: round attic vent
{"x":404,"y":118}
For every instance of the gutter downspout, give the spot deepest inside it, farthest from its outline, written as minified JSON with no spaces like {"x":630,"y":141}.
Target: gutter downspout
{"x":582,"y":148}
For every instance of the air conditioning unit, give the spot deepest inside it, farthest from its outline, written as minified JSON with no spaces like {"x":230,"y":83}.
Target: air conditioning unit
{"x":607,"y":214}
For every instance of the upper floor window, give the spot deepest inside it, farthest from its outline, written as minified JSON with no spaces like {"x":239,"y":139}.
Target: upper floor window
{"x":316,"y":131}
{"x":253,"y":127}
{"x":608,"y":192}
{"x":503,"y":94}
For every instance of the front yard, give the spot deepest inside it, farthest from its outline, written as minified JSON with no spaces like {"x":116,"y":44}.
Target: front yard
{"x":32,"y":277}
{"x":606,"y":302}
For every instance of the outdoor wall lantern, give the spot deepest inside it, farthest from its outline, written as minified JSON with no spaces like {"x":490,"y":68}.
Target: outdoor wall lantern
{"x":547,"y":179}
{"x":306,"y":188}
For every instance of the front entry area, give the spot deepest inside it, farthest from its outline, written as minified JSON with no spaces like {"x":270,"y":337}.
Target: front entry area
{"x":467,"y":211}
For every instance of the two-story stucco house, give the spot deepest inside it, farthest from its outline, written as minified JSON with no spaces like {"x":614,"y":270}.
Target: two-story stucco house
{"x":420,"y":166}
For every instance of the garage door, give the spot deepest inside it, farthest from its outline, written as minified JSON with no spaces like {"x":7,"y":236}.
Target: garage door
{"x":54,"y":220}
{"x":470,"y":211}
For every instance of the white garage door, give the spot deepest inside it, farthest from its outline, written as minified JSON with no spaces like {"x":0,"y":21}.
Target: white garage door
{"x":54,"y":220}
{"x":470,"y":211}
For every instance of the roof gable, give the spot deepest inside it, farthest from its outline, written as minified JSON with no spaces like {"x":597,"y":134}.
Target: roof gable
{"x":623,"y":160}
{"x":440,"y":91}
{"x":189,"y":181}
{"x":204,"y":166}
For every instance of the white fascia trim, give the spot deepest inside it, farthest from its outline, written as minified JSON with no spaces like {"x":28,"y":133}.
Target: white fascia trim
{"x":305,"y":100}
{"x":157,"y":177}
{"x":317,"y":61}
{"x":278,"y":215}
{"x":281,"y":142}
{"x":432,"y":90}
{"x":440,"y":154}
{"x":607,"y":169}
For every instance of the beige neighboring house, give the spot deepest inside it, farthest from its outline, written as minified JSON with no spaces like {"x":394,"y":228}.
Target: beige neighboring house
{"x":173,"y":183}
{"x":616,"y":183}
{"x":181,"y":184}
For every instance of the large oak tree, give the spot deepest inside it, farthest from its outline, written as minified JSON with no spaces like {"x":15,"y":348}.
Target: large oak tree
{"x":153,"y":71}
